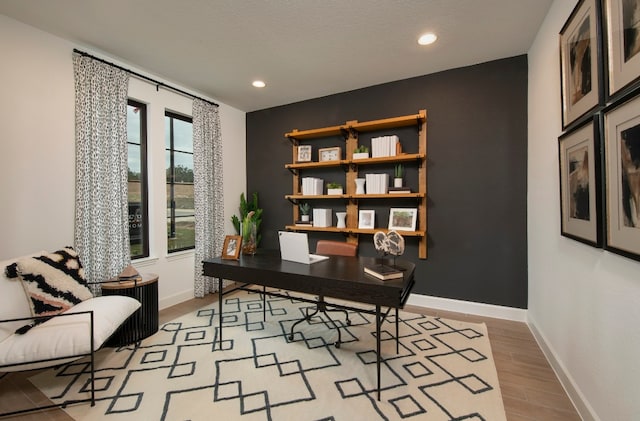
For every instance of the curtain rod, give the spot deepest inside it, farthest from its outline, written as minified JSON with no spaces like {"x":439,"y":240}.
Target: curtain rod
{"x":143,"y":77}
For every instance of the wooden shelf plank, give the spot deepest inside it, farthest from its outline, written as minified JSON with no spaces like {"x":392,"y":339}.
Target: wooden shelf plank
{"x":313,"y":197}
{"x":352,"y":230}
{"x":387,"y":123}
{"x":315,"y":133}
{"x":315,"y":164}
{"x":388,"y":159}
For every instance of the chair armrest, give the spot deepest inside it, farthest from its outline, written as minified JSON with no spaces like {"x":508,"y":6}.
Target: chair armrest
{"x":45,"y":318}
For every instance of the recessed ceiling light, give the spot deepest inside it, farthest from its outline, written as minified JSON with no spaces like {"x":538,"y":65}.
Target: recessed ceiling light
{"x":259,"y":84}
{"x":427,"y":39}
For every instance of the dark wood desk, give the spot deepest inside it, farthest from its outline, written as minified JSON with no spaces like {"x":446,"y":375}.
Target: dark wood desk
{"x":338,"y":277}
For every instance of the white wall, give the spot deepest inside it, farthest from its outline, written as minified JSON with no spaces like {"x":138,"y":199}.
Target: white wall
{"x":37,"y":155}
{"x":584,"y":303}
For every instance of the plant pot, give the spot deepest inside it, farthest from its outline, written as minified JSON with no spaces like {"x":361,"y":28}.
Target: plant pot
{"x":249,"y":237}
{"x":334,"y":191}
{"x":304,"y":218}
{"x":361,"y":155}
{"x":397,"y":182}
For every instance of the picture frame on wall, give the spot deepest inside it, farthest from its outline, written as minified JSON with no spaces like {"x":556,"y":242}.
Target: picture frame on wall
{"x":231,"y":247}
{"x":403,"y":219}
{"x":579,"y":153}
{"x":622,"y":175}
{"x":581,"y":62}
{"x":623,"y":43}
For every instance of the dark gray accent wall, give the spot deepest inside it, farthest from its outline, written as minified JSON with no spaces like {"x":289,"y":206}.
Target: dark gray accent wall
{"x":477,"y":173}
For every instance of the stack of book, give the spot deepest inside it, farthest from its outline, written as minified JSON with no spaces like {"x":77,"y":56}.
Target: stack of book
{"x":383,"y":272}
{"x":312,"y":186}
{"x":377,"y":183}
{"x":398,"y":190}
{"x":384,"y":146}
{"x":304,"y":223}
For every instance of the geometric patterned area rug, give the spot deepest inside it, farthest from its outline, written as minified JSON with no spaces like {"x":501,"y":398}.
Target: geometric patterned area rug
{"x":444,"y":369}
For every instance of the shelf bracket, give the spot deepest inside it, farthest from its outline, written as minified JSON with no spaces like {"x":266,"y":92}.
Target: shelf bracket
{"x":293,"y":171}
{"x":293,"y":201}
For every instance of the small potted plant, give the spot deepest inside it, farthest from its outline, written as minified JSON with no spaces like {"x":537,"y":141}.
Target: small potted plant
{"x":305,"y":208}
{"x":334,"y":188}
{"x":361,"y":152}
{"x":398,"y":175}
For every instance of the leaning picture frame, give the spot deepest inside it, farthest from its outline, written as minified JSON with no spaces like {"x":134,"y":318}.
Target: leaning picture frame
{"x":366,"y":219}
{"x":303,"y":153}
{"x":403,"y":219}
{"x":231,"y":247}
{"x":581,"y":62}
{"x":623,"y":44}
{"x":622,"y":175}
{"x":580,"y":163}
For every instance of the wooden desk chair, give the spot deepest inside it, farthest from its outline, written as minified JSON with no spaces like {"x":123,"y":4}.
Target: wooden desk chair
{"x":329,"y":248}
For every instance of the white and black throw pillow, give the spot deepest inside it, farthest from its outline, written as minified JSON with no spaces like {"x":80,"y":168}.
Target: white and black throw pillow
{"x":53,"y":282}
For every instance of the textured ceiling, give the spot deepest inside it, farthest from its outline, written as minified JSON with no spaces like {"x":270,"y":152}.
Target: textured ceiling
{"x":302,"y":49}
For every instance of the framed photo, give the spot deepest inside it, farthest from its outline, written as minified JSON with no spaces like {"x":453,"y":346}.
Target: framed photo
{"x":231,"y":247}
{"x":366,"y":219}
{"x":581,"y":61}
{"x":581,"y":183}
{"x":403,"y":219}
{"x":304,"y":153}
{"x":622,"y":175}
{"x":330,"y":154}
{"x":623,"y":43}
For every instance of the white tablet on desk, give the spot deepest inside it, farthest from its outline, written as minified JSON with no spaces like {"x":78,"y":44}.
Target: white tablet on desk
{"x":294,"y":246}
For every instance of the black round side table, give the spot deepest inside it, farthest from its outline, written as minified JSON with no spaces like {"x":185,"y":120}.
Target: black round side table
{"x":144,"y":322}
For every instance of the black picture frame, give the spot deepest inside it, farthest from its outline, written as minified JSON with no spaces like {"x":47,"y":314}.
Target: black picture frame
{"x":621,"y":130}
{"x":622,"y":29}
{"x":581,"y":63}
{"x":580,"y":165}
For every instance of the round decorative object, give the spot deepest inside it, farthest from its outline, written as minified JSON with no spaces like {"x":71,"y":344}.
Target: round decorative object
{"x":395,"y":243}
{"x":380,"y":242}
{"x":391,"y":243}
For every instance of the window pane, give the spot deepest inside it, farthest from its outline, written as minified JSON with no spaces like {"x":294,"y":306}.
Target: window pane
{"x":133,"y":124}
{"x":183,"y":135}
{"x":167,"y":132}
{"x":183,"y":167}
{"x":137,"y":179}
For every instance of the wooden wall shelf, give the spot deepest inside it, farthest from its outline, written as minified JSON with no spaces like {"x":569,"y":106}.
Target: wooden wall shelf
{"x":349,"y":132}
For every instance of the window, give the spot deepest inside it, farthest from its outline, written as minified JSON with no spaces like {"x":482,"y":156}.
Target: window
{"x":137,"y":179}
{"x":180,"y":195}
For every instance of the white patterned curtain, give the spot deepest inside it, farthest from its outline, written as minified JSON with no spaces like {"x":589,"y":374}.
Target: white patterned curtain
{"x":207,"y":184}
{"x":101,"y":218}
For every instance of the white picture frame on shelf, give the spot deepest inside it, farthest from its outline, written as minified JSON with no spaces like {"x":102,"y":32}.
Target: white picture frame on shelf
{"x":304,"y":153}
{"x":366,"y":219}
{"x":403,"y":219}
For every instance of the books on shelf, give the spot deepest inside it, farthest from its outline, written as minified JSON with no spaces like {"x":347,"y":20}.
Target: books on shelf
{"x":383,"y":272}
{"x":384,"y":146}
{"x":397,"y":190}
{"x":312,"y":186}
{"x":377,"y":183}
{"x":304,"y":223}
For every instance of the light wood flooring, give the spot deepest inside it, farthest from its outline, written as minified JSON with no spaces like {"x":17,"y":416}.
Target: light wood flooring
{"x":530,"y":388}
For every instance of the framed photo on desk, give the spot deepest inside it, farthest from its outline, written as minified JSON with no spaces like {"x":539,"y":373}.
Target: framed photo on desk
{"x":231,"y":247}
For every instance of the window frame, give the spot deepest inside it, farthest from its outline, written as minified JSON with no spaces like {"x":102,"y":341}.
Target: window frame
{"x":144,"y":178}
{"x":176,"y":116}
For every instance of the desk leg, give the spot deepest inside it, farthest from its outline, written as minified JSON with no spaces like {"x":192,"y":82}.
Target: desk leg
{"x":264,"y":303}
{"x":397,"y":336}
{"x":378,"y":345}
{"x":220,"y":312}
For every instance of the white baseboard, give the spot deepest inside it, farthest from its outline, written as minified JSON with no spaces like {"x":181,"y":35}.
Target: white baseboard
{"x":579,"y":402}
{"x":467,"y":307}
{"x":175,"y":299}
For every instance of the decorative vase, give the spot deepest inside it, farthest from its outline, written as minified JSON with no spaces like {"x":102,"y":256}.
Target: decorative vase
{"x":341,"y":219}
{"x":248,"y":230}
{"x":397,"y":182}
{"x":360,"y":185}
